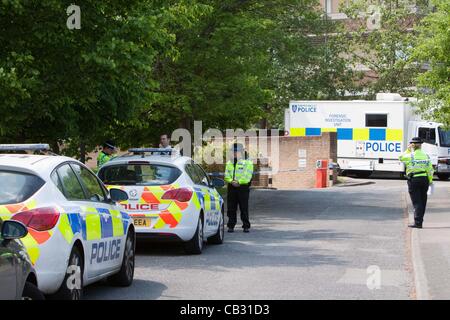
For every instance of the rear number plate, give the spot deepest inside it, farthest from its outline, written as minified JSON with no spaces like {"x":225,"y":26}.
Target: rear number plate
{"x":142,"y":222}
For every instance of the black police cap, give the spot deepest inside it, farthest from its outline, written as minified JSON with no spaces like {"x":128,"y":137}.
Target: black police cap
{"x":109,"y":144}
{"x":416,"y":140}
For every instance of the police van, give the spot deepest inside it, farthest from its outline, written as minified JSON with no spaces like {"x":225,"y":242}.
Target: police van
{"x":371,"y":135}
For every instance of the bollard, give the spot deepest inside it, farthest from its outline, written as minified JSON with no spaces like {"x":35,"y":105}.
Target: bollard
{"x":321,"y":173}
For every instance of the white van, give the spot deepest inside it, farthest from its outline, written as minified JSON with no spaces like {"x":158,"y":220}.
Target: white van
{"x":371,"y":134}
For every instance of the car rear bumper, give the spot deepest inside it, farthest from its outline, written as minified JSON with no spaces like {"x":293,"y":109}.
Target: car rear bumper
{"x":157,"y":237}
{"x":171,"y":229}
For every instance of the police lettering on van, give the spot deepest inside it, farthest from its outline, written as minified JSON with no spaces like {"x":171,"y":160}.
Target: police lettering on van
{"x":383,"y":146}
{"x":304,"y":108}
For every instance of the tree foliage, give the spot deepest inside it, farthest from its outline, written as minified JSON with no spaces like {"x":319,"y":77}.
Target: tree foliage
{"x":381,"y":36}
{"x":74,"y":86}
{"x":141,"y":67}
{"x":433,"y":49}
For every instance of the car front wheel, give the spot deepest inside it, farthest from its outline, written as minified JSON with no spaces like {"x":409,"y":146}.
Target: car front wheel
{"x":124,"y":278}
{"x":31,"y":292}
{"x":218,"y":237}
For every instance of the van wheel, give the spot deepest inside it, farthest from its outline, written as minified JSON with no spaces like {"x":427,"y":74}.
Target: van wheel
{"x":195,"y":245}
{"x":72,"y":286}
{"x":124,"y":278}
{"x":31,"y":292}
{"x":219,"y":236}
{"x":443,"y":176}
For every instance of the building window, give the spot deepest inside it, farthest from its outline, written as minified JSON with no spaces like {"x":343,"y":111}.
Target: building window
{"x":376,"y":120}
{"x":328,"y":6}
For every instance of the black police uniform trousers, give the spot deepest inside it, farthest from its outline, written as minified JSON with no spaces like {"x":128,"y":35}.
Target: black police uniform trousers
{"x":238,"y":196}
{"x":418,"y":188}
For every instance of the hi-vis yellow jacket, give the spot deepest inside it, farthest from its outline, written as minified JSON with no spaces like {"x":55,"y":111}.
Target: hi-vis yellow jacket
{"x":418,"y":164}
{"x":242,"y":172}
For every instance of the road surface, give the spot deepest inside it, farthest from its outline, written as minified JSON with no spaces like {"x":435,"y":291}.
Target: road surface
{"x":338,"y":243}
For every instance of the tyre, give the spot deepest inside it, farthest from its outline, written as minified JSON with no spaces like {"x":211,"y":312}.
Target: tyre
{"x":72,"y":286}
{"x":31,"y":292}
{"x":443,"y":176}
{"x":195,"y":245}
{"x":218,"y":237}
{"x":124,"y":278}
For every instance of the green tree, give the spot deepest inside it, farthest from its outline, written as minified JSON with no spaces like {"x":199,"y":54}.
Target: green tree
{"x":433,"y":49}
{"x":241,"y":63}
{"x":75,"y":86}
{"x":381,"y":35}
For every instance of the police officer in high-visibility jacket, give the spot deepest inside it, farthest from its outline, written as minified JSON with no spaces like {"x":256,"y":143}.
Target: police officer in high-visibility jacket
{"x":108,"y":150}
{"x":238,"y":175}
{"x":419,"y":171}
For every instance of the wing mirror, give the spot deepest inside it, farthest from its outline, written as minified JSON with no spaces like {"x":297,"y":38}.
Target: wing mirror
{"x":217,"y":183}
{"x":12,"y":229}
{"x":118,"y":195}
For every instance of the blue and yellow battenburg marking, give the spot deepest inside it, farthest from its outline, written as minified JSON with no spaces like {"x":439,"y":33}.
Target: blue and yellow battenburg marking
{"x":360,"y":134}
{"x":99,"y":223}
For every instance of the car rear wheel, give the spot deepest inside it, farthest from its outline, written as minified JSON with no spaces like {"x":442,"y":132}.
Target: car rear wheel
{"x":124,"y":278}
{"x":443,"y":176}
{"x":31,"y":292}
{"x":72,"y":286}
{"x":218,"y":237}
{"x":195,"y":245}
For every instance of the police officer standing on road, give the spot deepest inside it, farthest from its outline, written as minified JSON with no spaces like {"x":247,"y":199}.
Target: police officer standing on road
{"x":238,"y":175}
{"x":419,"y":171}
{"x":108,"y":149}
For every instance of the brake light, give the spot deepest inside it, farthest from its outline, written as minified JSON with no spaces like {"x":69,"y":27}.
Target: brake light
{"x":181,"y":194}
{"x":442,"y":161}
{"x":40,"y":219}
{"x":138,"y":162}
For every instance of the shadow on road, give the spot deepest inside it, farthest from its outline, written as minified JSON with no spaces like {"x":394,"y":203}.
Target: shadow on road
{"x":139,"y":290}
{"x":260,"y":248}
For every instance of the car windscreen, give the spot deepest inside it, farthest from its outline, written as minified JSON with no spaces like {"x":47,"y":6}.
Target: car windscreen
{"x":17,"y":187}
{"x":444,"y":137}
{"x":139,"y":174}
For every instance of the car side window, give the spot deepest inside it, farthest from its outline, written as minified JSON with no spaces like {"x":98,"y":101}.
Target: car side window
{"x":193,"y":174}
{"x":93,"y":188}
{"x":72,"y":188}
{"x":203,"y":176}
{"x":57,"y":181}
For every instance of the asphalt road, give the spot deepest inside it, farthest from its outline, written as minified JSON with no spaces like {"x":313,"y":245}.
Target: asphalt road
{"x":315,"y":244}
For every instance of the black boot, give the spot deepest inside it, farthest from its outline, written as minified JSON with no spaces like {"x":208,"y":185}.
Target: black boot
{"x":415,"y":225}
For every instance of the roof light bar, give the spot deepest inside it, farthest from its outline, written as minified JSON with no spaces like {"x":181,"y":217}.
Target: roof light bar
{"x":161,"y":151}
{"x":25,"y":147}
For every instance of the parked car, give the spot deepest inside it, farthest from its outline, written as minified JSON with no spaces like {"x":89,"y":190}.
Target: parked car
{"x":17,"y":276}
{"x":170,"y":197}
{"x":77,"y":233}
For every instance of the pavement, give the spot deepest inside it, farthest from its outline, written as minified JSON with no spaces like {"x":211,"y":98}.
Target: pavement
{"x":431,"y":246}
{"x":336,"y":243}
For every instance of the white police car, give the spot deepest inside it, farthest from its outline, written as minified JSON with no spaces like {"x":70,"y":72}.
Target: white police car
{"x":170,"y":197}
{"x":77,"y":234}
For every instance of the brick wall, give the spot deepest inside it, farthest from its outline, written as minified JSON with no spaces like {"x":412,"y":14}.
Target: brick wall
{"x":295,"y":175}
{"x":289,"y":175}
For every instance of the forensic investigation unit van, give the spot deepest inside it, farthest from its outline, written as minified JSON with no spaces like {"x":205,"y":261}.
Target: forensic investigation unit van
{"x":371,"y":135}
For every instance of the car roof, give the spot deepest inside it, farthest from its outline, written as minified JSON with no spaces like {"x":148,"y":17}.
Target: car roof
{"x":178,"y":161}
{"x":38,"y":164}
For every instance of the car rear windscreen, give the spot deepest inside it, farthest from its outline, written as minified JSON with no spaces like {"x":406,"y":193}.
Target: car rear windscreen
{"x":139,"y":174}
{"x":17,"y":187}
